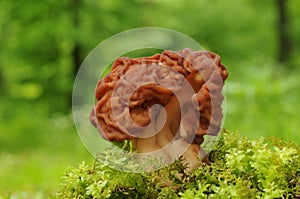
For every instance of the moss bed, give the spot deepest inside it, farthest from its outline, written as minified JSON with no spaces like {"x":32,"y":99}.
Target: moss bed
{"x":238,"y":168}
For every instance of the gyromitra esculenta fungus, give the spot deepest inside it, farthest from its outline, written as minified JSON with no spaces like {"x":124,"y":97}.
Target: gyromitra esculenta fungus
{"x":127,"y":99}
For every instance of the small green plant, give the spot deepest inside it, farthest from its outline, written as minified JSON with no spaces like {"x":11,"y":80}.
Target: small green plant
{"x":238,"y":168}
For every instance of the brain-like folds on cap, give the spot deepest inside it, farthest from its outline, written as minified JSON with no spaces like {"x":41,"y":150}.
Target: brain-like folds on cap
{"x":125,"y":95}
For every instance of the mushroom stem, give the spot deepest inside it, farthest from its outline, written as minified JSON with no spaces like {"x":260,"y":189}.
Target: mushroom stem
{"x":170,"y":150}
{"x":147,"y":145}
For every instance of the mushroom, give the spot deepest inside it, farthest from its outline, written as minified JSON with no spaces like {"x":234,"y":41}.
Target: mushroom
{"x":164,"y":103}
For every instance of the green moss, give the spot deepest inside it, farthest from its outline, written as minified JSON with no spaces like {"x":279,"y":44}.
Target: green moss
{"x":239,"y":168}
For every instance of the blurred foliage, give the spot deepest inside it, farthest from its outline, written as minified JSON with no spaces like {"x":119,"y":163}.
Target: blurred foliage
{"x":42,"y":41}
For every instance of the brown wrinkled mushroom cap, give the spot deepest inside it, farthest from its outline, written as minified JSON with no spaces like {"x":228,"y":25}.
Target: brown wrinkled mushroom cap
{"x":189,"y":63}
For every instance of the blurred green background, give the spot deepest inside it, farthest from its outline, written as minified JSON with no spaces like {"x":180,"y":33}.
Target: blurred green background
{"x":42,"y":44}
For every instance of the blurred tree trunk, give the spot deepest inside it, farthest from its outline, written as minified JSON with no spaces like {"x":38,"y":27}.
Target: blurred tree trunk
{"x":76,"y":50}
{"x":76,"y":59}
{"x":284,"y":46}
